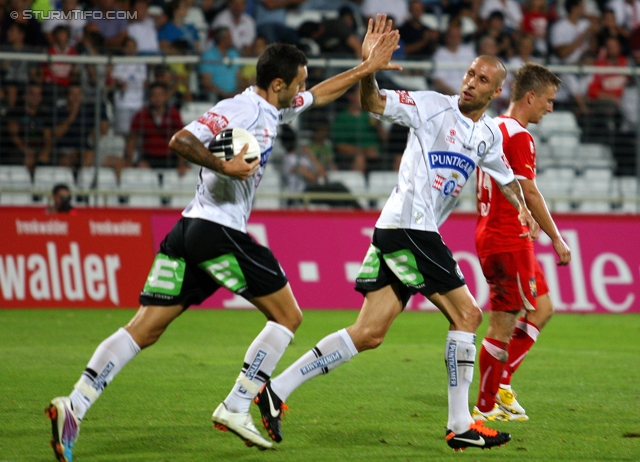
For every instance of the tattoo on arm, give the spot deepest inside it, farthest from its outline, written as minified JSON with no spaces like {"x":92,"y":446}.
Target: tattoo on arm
{"x":513,"y":193}
{"x":191,"y":149}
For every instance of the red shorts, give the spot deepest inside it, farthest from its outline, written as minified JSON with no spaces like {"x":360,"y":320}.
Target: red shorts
{"x":515,"y":280}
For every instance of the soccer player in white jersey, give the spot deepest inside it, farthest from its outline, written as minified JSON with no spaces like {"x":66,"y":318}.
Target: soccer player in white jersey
{"x":209,"y":247}
{"x":448,"y":137}
{"x":509,"y":264}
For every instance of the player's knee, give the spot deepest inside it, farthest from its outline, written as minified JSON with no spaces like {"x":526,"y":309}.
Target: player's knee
{"x":366,"y":338}
{"x":471,"y":318}
{"x":145,"y":338}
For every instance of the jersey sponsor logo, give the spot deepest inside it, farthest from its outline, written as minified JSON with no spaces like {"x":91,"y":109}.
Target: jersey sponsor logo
{"x":215,"y":122}
{"x":405,"y":98}
{"x":298,"y":101}
{"x":452,"y":160}
{"x":322,"y":361}
{"x":254,"y":368}
{"x":452,"y":363}
{"x":166,"y":275}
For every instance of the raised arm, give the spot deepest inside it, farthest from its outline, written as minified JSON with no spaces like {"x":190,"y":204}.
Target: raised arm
{"x":513,"y":193}
{"x":189,"y":147}
{"x":371,"y":99}
{"x":378,"y":59}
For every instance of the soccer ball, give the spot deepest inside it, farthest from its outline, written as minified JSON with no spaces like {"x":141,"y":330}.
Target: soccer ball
{"x":229,"y":142}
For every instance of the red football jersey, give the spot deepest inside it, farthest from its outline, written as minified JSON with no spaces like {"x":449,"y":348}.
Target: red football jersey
{"x":498,"y":229}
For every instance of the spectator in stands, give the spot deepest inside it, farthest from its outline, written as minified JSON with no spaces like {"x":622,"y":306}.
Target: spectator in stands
{"x":57,"y":73}
{"x":420,"y":42}
{"x":129,"y":81}
{"x":240,"y":24}
{"x":569,"y":40}
{"x":60,"y":199}
{"x":333,"y":36}
{"x":114,"y":31}
{"x":74,"y":134}
{"x":181,"y":73}
{"x":398,"y":10}
{"x":603,"y":96}
{"x":321,"y":147}
{"x":495,"y":27}
{"x":448,"y":81}
{"x":487,"y":46}
{"x":90,"y":74}
{"x":196,"y":18}
{"x":34,"y":37}
{"x":73,"y":20}
{"x":271,"y":20}
{"x":29,"y":131}
{"x":524,"y":54}
{"x":152,"y":129}
{"x":247,"y":75}
{"x":609,"y":28}
{"x":142,"y":29}
{"x":299,"y":168}
{"x":18,"y":73}
{"x":216,"y":78}
{"x":355,"y":133}
{"x":626,"y":12}
{"x":176,"y":29}
{"x":212,"y":8}
{"x":510,"y":9}
{"x":535,"y":22}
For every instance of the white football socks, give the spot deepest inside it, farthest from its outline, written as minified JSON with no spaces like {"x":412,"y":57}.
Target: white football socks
{"x":459,"y":355}
{"x":108,"y":359}
{"x":332,"y":351}
{"x":259,"y":362}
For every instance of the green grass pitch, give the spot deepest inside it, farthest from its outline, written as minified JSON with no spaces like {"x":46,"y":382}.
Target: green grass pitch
{"x":580,"y":385}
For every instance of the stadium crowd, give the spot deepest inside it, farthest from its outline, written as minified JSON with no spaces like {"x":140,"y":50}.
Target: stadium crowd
{"x":48,"y":115}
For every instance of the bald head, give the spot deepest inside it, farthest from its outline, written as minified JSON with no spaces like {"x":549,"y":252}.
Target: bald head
{"x":498,"y":64}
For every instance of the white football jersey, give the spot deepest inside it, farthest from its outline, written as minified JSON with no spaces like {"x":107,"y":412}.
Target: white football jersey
{"x":443,"y":149}
{"x":222,"y":199}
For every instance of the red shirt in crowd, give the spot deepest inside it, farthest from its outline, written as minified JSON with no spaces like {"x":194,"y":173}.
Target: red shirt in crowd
{"x":59,"y":73}
{"x":608,"y":84}
{"x":156,"y":137}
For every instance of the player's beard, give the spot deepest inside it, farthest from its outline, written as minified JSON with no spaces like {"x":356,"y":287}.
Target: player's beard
{"x":471,"y":106}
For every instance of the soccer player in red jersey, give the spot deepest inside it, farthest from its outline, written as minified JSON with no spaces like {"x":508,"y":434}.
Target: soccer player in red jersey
{"x":508,"y":262}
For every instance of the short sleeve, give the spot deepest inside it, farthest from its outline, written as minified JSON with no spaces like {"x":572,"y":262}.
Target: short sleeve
{"x":401,"y":108}
{"x":521,"y":154}
{"x":227,"y":113}
{"x":495,"y":163}
{"x":301,"y":102}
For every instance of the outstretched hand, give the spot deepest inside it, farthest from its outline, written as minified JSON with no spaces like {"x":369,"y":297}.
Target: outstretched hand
{"x":380,"y":55}
{"x":375,"y":29}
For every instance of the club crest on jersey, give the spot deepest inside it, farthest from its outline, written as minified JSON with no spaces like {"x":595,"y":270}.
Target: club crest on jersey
{"x":215,"y":122}
{"x":533,"y":287}
{"x":482,"y":148}
{"x":447,"y":186}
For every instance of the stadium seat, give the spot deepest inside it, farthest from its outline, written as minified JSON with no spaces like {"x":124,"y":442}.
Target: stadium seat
{"x":595,"y":155}
{"x":45,"y":177}
{"x":266,"y":197}
{"x":143,"y":180}
{"x":111,"y":145}
{"x":628,"y":192}
{"x":295,"y":19}
{"x":354,"y":181}
{"x":106,"y":182}
{"x":558,"y":123}
{"x":15,"y":177}
{"x":183,"y":187}
{"x":382,"y":183}
{"x":556,"y":185}
{"x":593,"y":192}
{"x":564,"y":149}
